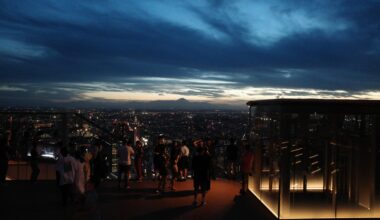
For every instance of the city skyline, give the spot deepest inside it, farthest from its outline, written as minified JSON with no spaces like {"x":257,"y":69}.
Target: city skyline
{"x":211,"y":53}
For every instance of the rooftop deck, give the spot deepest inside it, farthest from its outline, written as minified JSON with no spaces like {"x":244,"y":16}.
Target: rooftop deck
{"x":22,"y":200}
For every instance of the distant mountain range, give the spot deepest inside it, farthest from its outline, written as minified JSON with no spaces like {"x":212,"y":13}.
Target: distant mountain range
{"x":180,"y":104}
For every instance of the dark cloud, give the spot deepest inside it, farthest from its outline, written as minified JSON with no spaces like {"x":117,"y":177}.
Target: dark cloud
{"x":294,"y":44}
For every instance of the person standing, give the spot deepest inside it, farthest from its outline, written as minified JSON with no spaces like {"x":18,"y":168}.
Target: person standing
{"x":34,"y":162}
{"x":232,"y":156}
{"x":246,"y":168}
{"x":163,"y":161}
{"x":174,"y":157}
{"x":4,"y":157}
{"x":66,"y":169}
{"x":210,"y":144}
{"x":125,"y":160}
{"x":139,"y":155}
{"x":156,"y":156}
{"x":201,"y":165}
{"x":100,"y":167}
{"x":184,"y":162}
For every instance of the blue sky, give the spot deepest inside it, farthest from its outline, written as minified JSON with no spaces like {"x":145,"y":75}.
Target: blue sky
{"x":65,"y":52}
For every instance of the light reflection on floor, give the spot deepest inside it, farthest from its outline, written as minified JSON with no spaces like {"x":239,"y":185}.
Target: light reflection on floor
{"x":315,"y":202}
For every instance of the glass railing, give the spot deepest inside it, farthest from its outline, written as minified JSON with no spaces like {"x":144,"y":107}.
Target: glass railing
{"x":78,"y":130}
{"x":50,"y":130}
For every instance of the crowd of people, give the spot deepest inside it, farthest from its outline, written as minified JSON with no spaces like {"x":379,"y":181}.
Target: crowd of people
{"x":81,"y":172}
{"x":172,"y":163}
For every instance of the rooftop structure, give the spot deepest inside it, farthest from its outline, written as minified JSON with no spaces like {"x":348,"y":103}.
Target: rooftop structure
{"x":316,"y":158}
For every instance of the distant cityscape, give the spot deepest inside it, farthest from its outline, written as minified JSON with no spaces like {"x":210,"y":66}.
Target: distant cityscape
{"x":80,"y":128}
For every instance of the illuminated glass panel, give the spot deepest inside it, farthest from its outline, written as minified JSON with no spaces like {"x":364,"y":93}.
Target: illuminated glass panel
{"x":316,"y":165}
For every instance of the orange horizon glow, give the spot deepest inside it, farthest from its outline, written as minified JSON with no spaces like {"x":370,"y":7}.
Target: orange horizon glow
{"x":228,"y":95}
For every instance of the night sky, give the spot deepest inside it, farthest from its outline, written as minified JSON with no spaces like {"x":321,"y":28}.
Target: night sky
{"x":227,"y":52}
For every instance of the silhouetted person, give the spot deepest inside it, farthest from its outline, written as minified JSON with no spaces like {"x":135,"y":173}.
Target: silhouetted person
{"x":148,"y":161}
{"x":34,"y":159}
{"x":139,"y":156}
{"x":4,"y":157}
{"x":232,"y":156}
{"x":157,"y":149}
{"x":100,"y":167}
{"x":201,"y":169}
{"x":174,"y":158}
{"x":163,"y":162}
{"x":246,"y":167}
{"x":211,"y":149}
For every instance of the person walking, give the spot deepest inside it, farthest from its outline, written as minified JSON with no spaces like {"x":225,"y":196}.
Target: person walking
{"x":139,"y":156}
{"x":246,"y":168}
{"x":125,"y":160}
{"x":34,"y":157}
{"x":201,"y":165}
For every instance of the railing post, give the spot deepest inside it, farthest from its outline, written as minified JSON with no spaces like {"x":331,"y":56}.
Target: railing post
{"x":64,"y":134}
{"x":284,"y":187}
